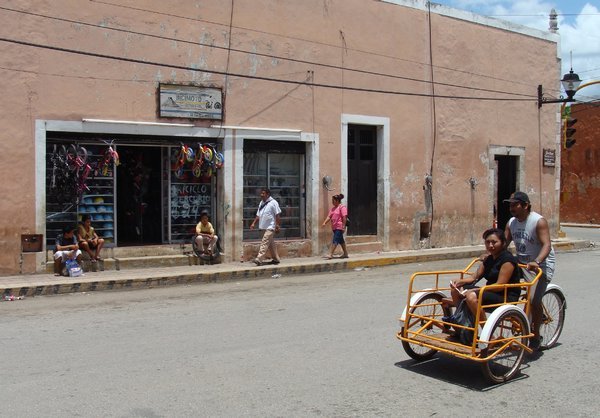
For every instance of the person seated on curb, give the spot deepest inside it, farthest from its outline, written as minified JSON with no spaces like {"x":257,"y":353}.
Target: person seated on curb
{"x":499,"y":267}
{"x":206,"y":234}
{"x":66,"y":248}
{"x":88,"y":239}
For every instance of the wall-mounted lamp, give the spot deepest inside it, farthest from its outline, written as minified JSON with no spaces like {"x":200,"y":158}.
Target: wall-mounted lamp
{"x":570,"y":83}
{"x":327,"y":182}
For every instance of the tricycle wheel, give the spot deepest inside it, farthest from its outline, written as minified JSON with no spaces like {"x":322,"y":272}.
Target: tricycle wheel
{"x":430,"y":306}
{"x":506,"y":330}
{"x":553,"y":317}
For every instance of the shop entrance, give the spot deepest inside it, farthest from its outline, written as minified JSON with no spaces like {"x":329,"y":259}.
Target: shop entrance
{"x":139,"y":217}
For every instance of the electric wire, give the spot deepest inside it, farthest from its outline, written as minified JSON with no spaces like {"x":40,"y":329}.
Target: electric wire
{"x":253,"y":77}
{"x":512,"y":81}
{"x":270,"y":56}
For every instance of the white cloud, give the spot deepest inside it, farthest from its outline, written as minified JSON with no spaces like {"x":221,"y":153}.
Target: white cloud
{"x":580,"y":35}
{"x":583,"y":38}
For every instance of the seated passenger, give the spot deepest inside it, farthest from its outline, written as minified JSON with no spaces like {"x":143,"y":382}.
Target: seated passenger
{"x":66,"y":248}
{"x":206,"y":234}
{"x":88,"y":239}
{"x":499,"y":267}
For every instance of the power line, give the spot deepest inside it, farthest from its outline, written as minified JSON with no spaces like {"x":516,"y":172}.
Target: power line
{"x":587,"y":71}
{"x":138,"y":9}
{"x":229,"y":49}
{"x":541,"y":14}
{"x":253,"y":77}
{"x":83,"y":77}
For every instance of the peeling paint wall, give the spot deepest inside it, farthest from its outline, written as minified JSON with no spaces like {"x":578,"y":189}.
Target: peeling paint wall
{"x":291,"y":65}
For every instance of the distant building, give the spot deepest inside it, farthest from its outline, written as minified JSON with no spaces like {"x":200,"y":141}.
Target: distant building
{"x":580,"y":168}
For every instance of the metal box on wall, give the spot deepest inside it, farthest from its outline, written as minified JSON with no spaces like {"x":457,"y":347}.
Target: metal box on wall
{"x":32,"y":243}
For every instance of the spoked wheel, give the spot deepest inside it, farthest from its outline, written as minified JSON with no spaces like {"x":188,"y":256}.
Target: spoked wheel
{"x":431,"y":307}
{"x":196,"y":248}
{"x":553,"y":317}
{"x":502,"y":367}
{"x":199,"y":251}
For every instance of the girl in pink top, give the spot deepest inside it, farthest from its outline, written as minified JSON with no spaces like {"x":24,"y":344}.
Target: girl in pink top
{"x":337,"y":216}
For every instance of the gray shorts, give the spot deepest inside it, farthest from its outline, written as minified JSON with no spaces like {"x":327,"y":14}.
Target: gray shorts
{"x":540,"y":289}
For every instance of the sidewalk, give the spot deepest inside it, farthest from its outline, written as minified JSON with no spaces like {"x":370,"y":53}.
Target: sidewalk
{"x":48,"y":284}
{"x":575,"y":225}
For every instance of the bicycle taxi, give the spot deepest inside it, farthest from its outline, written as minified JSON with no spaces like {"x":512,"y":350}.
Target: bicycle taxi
{"x":499,"y":341}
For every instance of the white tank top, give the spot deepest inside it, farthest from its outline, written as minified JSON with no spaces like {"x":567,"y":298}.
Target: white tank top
{"x":527,"y":243}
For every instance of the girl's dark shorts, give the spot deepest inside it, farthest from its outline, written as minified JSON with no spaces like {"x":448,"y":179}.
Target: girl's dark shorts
{"x":338,"y":237}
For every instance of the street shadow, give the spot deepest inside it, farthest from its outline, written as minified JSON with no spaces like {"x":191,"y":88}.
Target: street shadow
{"x":456,"y":371}
{"x":536,"y":355}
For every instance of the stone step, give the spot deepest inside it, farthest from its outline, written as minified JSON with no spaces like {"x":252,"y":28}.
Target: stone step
{"x":359,"y":239}
{"x":364,"y":247}
{"x":148,"y":261}
{"x":123,"y":263}
{"x":151,"y":250}
{"x":141,"y":251}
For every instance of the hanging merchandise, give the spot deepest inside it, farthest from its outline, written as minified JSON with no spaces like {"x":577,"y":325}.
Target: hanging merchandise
{"x":205,"y":160}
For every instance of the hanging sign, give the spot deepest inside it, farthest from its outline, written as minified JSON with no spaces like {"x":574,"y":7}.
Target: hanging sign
{"x":190,"y":102}
{"x":549,"y":157}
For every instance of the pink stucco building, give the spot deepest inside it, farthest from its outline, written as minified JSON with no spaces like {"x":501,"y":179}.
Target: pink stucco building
{"x":424,"y":117}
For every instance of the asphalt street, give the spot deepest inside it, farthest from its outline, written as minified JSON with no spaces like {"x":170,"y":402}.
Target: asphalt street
{"x":587,"y":233}
{"x":296,"y":346}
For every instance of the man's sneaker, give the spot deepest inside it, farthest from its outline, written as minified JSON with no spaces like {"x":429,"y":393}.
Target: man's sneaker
{"x":258,"y":262}
{"x":535,"y":343}
{"x":275,"y":262}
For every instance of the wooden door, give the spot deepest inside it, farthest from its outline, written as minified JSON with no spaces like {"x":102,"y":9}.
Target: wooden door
{"x":362,"y":179}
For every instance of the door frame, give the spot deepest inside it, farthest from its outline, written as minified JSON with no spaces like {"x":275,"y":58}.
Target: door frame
{"x":503,"y":150}
{"x":383,"y":167}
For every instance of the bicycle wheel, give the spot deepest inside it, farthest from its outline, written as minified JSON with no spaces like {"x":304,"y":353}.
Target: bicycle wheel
{"x":207,"y":153}
{"x":553,"y":317}
{"x":82,"y":154}
{"x":219,"y":160}
{"x":197,"y":248}
{"x":189,"y":154}
{"x":115,"y":156}
{"x":504,"y":365}
{"x":431,"y":307}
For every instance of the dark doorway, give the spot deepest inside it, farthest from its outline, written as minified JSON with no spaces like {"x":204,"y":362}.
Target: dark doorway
{"x":138,"y":196}
{"x":362,"y":179}
{"x":507,"y":184}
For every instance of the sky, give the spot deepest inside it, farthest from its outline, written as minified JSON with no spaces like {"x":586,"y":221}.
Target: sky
{"x":578,"y":26}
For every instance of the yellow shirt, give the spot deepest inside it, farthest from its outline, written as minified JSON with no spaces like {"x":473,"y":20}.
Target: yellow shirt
{"x":86,"y":235}
{"x":208,"y":229}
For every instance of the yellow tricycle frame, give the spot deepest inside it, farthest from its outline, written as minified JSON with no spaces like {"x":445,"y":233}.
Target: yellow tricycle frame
{"x":422,"y":324}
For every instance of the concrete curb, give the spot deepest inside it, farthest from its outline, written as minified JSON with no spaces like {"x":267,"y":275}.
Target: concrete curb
{"x":575,"y":225}
{"x":37,"y":285}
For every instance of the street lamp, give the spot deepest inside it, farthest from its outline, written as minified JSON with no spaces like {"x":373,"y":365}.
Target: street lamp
{"x":570,"y":83}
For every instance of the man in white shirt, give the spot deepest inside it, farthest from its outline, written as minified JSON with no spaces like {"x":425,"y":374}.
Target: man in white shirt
{"x":269,"y":221}
{"x":531,"y":234}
